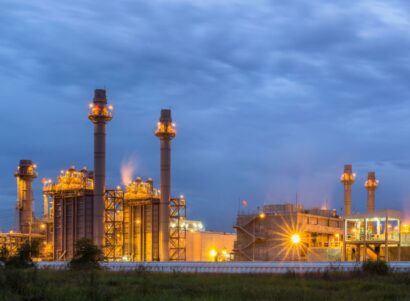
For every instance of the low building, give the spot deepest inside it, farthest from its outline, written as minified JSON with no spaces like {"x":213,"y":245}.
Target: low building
{"x":288,"y":232}
{"x":209,"y":246}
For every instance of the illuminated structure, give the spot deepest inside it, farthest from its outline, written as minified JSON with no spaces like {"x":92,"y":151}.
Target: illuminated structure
{"x":72,"y":210}
{"x":347,"y":179}
{"x":141,"y":221}
{"x":288,"y":232}
{"x":165,"y":131}
{"x":371,"y":184}
{"x":25,"y":174}
{"x":209,"y":246}
{"x":371,"y":235}
{"x":100,"y":114}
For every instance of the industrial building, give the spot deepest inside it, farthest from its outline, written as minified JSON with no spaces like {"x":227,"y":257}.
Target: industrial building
{"x":285,"y":232}
{"x":209,"y":246}
{"x":289,"y":232}
{"x":128,"y":224}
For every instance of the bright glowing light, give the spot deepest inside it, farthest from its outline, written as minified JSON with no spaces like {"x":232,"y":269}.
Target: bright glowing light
{"x":110,"y":107}
{"x":138,"y":222}
{"x":262,"y":215}
{"x":295,"y":238}
{"x":43,"y":226}
{"x":213,"y":253}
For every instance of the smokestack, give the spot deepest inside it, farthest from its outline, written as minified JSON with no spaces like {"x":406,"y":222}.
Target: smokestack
{"x":100,"y":113}
{"x":165,"y":132}
{"x":348,"y":178}
{"x":371,"y":185}
{"x":25,"y":174}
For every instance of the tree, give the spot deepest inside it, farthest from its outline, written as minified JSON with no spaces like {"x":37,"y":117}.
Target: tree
{"x":87,"y":255}
{"x":23,"y":259}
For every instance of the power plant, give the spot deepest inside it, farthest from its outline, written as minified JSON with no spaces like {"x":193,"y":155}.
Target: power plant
{"x":139,"y":222}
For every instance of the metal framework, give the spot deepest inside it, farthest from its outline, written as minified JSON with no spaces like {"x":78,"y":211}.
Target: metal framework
{"x":177,"y":230}
{"x":12,"y":241}
{"x":114,"y":225}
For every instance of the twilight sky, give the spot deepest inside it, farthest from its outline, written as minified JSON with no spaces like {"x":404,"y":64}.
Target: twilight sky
{"x":270,"y":100}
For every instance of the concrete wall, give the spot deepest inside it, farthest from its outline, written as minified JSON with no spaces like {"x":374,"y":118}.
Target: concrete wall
{"x":200,"y":244}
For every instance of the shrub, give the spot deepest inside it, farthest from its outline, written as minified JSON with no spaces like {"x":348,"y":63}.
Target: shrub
{"x":4,"y":254}
{"x":86,"y":256}
{"x":23,"y":258}
{"x":378,"y":267}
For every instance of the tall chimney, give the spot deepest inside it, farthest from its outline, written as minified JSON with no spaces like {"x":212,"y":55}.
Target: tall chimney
{"x":348,"y":178}
{"x":371,"y":185}
{"x":25,"y":174}
{"x":100,"y":113}
{"x":165,"y":131}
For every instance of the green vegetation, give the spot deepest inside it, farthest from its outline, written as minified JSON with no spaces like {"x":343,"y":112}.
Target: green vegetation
{"x":23,"y":257}
{"x":375,"y":267}
{"x":32,"y":284}
{"x":86,"y":256}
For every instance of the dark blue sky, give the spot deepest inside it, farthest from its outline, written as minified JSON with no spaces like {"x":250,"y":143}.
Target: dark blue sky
{"x":270,"y":99}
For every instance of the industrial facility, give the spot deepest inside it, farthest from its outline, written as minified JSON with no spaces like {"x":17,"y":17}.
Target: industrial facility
{"x":288,"y":232}
{"x":128,"y":224}
{"x":139,"y":222}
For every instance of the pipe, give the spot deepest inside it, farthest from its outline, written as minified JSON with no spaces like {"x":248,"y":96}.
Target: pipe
{"x":165,"y":132}
{"x":25,"y":174}
{"x":100,"y":114}
{"x":347,"y":179}
{"x":371,"y":185}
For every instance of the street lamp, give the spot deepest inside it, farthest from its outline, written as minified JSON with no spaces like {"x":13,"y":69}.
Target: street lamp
{"x":295,"y":238}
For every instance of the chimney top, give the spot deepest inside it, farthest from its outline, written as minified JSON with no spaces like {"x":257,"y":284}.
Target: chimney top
{"x":348,"y":168}
{"x":165,"y":115}
{"x":371,"y":175}
{"x":100,"y":95}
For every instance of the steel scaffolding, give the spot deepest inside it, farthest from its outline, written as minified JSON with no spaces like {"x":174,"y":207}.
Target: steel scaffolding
{"x":177,"y":230}
{"x":114,"y":225}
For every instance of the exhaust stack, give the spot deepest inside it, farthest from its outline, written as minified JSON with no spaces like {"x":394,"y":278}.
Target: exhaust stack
{"x":165,"y":131}
{"x":371,"y":185}
{"x":347,"y":179}
{"x":25,"y":174}
{"x":100,"y":113}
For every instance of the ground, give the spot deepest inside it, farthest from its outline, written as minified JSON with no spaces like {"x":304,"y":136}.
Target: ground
{"x":105,"y":285}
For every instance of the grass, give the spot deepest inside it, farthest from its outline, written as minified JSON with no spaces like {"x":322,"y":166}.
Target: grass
{"x":103,"y":285}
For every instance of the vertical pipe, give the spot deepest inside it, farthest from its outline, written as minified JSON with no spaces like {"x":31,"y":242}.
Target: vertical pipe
{"x":348,"y":198}
{"x":165,"y":197}
{"x":347,"y":179}
{"x":371,"y":185}
{"x":99,"y":182}
{"x":165,"y":132}
{"x":99,"y":114}
{"x":25,"y":174}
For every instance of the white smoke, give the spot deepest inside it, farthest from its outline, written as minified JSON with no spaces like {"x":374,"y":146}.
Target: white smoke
{"x":128,"y":168}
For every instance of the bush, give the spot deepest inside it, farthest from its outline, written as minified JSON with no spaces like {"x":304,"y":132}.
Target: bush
{"x":87,"y":255}
{"x":23,"y":258}
{"x":375,"y":267}
{"x":4,"y":254}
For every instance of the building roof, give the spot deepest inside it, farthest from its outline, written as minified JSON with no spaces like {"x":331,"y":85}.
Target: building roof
{"x":379,"y":213}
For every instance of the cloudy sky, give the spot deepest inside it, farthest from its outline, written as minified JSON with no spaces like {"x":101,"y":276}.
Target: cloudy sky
{"x":270,"y":100}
